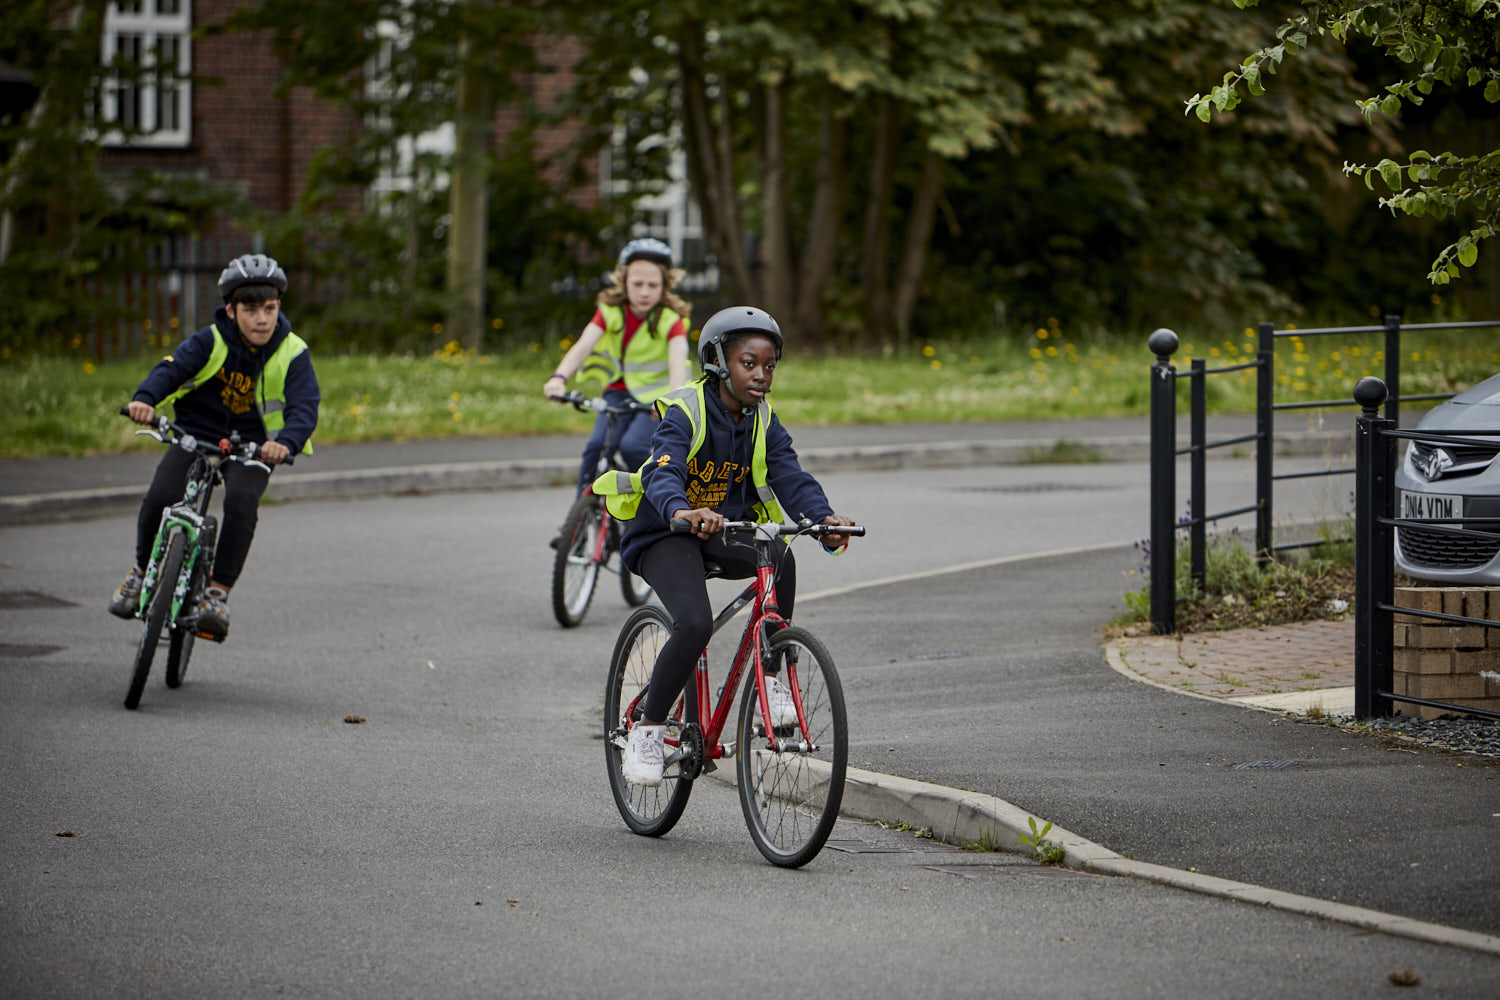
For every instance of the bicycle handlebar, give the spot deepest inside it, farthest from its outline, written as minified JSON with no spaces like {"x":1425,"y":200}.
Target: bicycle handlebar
{"x":229,"y":447}
{"x":597,"y":405}
{"x":803,"y":527}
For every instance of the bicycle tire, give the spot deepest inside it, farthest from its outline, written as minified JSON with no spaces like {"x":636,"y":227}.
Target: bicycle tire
{"x":574,"y":571}
{"x":649,"y":812}
{"x":791,"y":800}
{"x":635,"y":590}
{"x":180,"y":646}
{"x":156,"y":616}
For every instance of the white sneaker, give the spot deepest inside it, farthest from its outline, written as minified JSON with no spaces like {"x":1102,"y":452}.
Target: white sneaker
{"x":783,"y":709}
{"x":642,"y":762}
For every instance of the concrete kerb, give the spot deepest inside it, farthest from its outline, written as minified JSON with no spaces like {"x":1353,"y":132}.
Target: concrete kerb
{"x":36,"y":508}
{"x":963,"y":817}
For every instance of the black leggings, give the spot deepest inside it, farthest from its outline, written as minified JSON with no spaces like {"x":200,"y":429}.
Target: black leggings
{"x":674,"y":568}
{"x":243,"y":486}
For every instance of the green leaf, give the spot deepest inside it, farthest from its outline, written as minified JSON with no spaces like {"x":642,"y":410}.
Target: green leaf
{"x":1468,"y":253}
{"x":1492,"y":91}
{"x":1390,"y":173}
{"x":1205,"y":111}
{"x":1391,"y":105}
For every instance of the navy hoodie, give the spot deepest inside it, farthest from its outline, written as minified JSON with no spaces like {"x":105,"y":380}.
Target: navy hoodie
{"x":226,"y":402}
{"x":718,"y":476}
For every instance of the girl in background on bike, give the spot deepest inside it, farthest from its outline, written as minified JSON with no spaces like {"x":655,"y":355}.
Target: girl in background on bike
{"x":248,"y":372}
{"x":636,"y":343}
{"x":719,"y":454}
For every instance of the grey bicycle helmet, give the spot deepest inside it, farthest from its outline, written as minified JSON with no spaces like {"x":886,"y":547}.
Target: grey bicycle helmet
{"x":646,"y":248}
{"x":251,"y":269}
{"x":726,"y":322}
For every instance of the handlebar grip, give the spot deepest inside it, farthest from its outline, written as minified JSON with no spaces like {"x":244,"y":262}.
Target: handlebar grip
{"x":853,"y":530}
{"x":680,"y":525}
{"x":124,"y":411}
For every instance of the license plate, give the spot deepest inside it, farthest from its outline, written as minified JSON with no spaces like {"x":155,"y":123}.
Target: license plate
{"x":1431,"y":505}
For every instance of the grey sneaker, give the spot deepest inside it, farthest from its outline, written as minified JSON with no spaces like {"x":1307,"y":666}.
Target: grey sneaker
{"x":213,"y":615}
{"x":127,"y":599}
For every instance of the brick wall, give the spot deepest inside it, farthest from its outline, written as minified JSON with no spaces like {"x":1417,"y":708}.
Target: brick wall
{"x":1443,"y":661}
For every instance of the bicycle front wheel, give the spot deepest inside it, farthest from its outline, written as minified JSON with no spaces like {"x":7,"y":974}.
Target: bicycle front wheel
{"x":180,"y":646}
{"x":648,"y":811}
{"x":575,"y":571}
{"x":156,"y":616}
{"x":791,"y":797}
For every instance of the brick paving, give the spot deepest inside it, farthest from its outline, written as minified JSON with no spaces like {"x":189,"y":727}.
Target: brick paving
{"x":1248,"y":663}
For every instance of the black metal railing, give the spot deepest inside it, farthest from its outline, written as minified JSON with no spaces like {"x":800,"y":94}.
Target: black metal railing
{"x":1375,"y":526}
{"x":1266,"y":407}
{"x":1164,"y":451}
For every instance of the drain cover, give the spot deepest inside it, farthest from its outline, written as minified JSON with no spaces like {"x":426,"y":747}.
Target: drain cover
{"x":12,"y":600}
{"x":1263,"y":765}
{"x":986,"y":871}
{"x":11,"y":651}
{"x":866,"y":847}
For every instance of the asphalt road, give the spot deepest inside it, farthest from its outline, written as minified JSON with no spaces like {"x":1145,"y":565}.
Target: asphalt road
{"x":238,"y":838}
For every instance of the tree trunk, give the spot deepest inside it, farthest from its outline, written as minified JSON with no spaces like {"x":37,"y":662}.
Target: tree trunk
{"x":710,"y":164}
{"x":820,"y":247}
{"x":777,"y":247}
{"x":873,"y":282}
{"x":468,"y":204}
{"x":918,"y":237}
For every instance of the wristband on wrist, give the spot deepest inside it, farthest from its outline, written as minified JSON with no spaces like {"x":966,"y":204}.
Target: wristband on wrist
{"x":557,"y":375}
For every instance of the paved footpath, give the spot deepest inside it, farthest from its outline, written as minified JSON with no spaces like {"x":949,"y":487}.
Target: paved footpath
{"x":1285,"y":668}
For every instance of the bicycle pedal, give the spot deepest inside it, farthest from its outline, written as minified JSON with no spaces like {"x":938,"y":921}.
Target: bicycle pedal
{"x":709,"y":765}
{"x":210,"y":636}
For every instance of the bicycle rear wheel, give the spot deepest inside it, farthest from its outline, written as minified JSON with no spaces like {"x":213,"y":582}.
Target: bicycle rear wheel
{"x":156,"y":616}
{"x":575,"y":571}
{"x":180,"y":646}
{"x":791,"y":798}
{"x":650,"y":812}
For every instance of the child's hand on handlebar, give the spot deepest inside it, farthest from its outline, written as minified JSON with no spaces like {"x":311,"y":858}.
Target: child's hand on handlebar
{"x":555,"y":387}
{"x":273,"y":452}
{"x":702,"y":522}
{"x":832,"y":540}
{"x":142,"y":413}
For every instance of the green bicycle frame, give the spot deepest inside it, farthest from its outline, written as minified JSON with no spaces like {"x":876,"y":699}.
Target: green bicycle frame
{"x":179,"y":515}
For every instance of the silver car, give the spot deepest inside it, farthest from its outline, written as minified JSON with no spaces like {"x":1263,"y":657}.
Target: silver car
{"x":1459,"y":480}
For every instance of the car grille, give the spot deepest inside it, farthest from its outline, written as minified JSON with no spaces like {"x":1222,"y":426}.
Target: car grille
{"x":1440,"y":550}
{"x":1467,"y":459}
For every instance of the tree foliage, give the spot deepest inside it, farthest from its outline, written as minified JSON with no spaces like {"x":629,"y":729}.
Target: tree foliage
{"x":1452,"y":45}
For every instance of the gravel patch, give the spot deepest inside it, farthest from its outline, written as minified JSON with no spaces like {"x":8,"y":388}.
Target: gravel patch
{"x":1453,"y":733}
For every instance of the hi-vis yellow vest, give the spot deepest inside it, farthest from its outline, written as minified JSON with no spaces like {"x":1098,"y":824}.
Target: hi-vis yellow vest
{"x":270,"y":388}
{"x":622,"y":490}
{"x":644,"y":366}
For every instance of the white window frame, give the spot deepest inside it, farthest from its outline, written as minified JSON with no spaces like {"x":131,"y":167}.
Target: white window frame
{"x":142,"y":22}
{"x":397,"y":169}
{"x":671,"y":213}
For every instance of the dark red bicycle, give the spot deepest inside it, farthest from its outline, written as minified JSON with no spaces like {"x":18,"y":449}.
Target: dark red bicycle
{"x":790,"y":777}
{"x":590,"y":538}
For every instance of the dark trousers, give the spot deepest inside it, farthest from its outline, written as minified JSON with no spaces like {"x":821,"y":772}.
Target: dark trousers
{"x":674,"y":568}
{"x":634,"y":442}
{"x":241,"y":492}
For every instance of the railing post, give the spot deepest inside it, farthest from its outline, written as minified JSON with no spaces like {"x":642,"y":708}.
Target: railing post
{"x":1265,"y":399}
{"x":1393,"y":369}
{"x":1163,"y":482}
{"x":1373,"y":552}
{"x":1198,"y":477}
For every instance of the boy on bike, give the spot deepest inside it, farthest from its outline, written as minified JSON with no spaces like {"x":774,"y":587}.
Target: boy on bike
{"x":247,"y":372}
{"x":719,"y":454}
{"x":636,"y":343}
